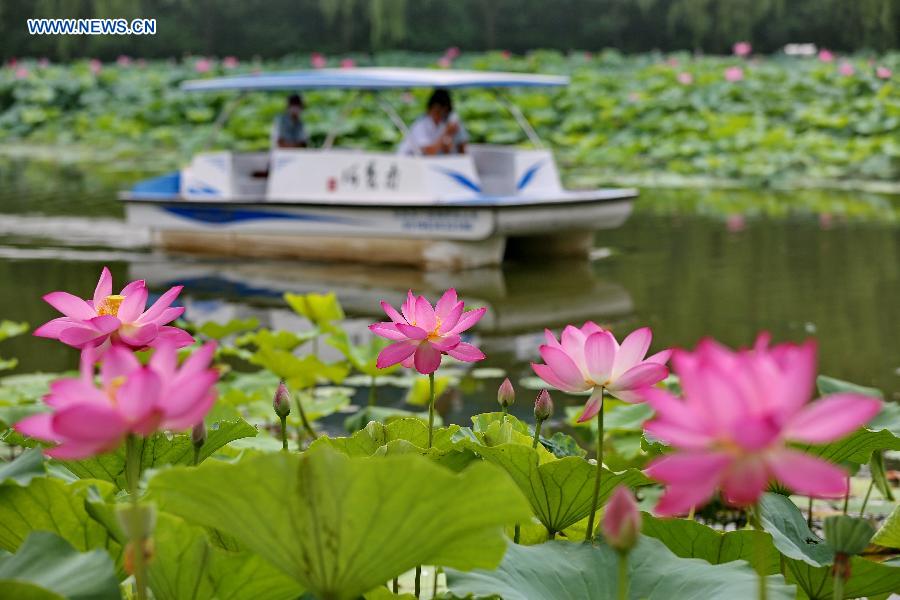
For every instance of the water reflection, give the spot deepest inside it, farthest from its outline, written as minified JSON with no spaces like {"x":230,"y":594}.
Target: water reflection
{"x":522,"y":299}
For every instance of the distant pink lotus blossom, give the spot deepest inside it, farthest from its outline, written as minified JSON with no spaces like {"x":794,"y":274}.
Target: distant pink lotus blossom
{"x":444,"y":62}
{"x":672,"y":61}
{"x":203,"y":65}
{"x":141,"y":63}
{"x":883,"y":73}
{"x":506,"y":54}
{"x":735,"y":222}
{"x":621,"y":524}
{"x":588,"y":55}
{"x":734,"y":426}
{"x":590,"y":359}
{"x":734,"y":74}
{"x":317,"y":60}
{"x":21,"y":73}
{"x":685,"y":78}
{"x":742,"y":49}
{"x":95,"y":66}
{"x":44,"y":63}
{"x":422,"y":334}
{"x":452,"y":52}
{"x":123,"y":60}
{"x":87,"y":420}
{"x":846,"y":69}
{"x":12,"y":62}
{"x":826,"y":55}
{"x":826,"y":220}
{"x":115,"y":319}
{"x":347,"y":63}
{"x":230,"y":62}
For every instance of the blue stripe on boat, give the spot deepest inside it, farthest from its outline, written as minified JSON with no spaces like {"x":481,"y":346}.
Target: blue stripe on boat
{"x":528,"y":175}
{"x":460,"y":178}
{"x":218,"y":214}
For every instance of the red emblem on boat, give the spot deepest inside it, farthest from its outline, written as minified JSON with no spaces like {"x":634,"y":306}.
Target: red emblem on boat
{"x":332,"y":184}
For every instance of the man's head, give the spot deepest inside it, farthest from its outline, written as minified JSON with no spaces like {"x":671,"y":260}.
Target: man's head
{"x":295,"y":104}
{"x":439,"y":105}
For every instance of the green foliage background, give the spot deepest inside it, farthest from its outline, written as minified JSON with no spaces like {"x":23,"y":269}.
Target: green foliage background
{"x":789,"y":120}
{"x":272,"y":28}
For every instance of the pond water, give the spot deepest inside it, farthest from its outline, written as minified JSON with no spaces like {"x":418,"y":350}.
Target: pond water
{"x":689,"y":264}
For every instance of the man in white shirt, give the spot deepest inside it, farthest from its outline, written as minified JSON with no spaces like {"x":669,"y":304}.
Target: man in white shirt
{"x":438,"y":131}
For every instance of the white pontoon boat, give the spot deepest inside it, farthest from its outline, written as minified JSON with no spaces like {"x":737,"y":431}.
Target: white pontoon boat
{"x":446,"y":211}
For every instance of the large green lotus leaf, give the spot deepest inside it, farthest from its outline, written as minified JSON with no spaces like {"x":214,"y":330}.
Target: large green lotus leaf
{"x":783,"y":520}
{"x":161,"y":449}
{"x":50,"y":504}
{"x":867,"y":579}
{"x":568,"y":571}
{"x":889,"y":532}
{"x":341,"y":526}
{"x":187,"y":565}
{"x":24,"y":468}
{"x":560,"y":444}
{"x":318,"y":308}
{"x":402,"y":436}
{"x":856,"y":447}
{"x":830,"y":385}
{"x":559,"y":490}
{"x":46,"y":566}
{"x":689,"y":539}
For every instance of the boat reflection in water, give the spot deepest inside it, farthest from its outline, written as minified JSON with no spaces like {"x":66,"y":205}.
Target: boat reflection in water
{"x":522,"y":300}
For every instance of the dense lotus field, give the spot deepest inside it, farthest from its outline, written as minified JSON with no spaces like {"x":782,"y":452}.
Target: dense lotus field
{"x":230,"y":461}
{"x":653,"y":119}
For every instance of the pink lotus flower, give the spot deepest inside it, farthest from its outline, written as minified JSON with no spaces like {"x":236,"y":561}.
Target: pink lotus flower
{"x":621,"y":522}
{"x":230,"y":62}
{"x":132,"y":398}
{"x":123,"y":60}
{"x":422,"y":334}
{"x":735,"y":222}
{"x":115,"y":319}
{"x":317,"y":61}
{"x":44,"y":63}
{"x":95,"y":66}
{"x":846,"y":69}
{"x":672,"y":61}
{"x":203,"y":65}
{"x":826,"y":55}
{"x":742,"y":49}
{"x":348,"y":63}
{"x":444,"y":62}
{"x":732,"y":429}
{"x":590,"y":358}
{"x":685,"y":78}
{"x":883,"y":73}
{"x":734,"y":74}
{"x":506,"y":54}
{"x":21,"y":73}
{"x":452,"y":52}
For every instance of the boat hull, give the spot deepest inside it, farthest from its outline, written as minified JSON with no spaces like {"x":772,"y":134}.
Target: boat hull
{"x":450,"y":235}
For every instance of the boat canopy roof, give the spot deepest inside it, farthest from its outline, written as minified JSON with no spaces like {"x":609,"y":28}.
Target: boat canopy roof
{"x":374,"y":78}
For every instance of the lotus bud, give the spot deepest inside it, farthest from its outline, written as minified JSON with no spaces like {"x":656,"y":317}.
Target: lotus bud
{"x":506,"y":395}
{"x":848,"y":535}
{"x":198,"y":435}
{"x":543,"y":406}
{"x":621,"y":523}
{"x":282,"y":401}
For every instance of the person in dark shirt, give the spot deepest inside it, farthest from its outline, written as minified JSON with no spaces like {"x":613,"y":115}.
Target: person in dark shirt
{"x":290,"y":132}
